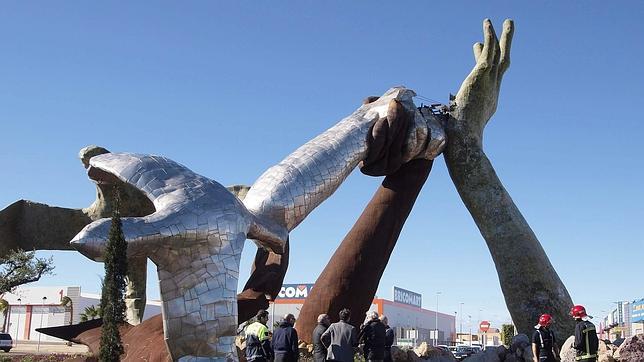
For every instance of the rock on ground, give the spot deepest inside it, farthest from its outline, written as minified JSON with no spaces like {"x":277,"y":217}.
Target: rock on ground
{"x":489,"y":355}
{"x":427,"y":352}
{"x":606,"y":352}
{"x":631,"y":350}
{"x":520,"y":350}
{"x":566,"y":352}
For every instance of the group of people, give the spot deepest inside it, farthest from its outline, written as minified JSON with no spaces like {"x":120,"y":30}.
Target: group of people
{"x":338,"y":341}
{"x":544,"y":343}
{"x":331,"y":341}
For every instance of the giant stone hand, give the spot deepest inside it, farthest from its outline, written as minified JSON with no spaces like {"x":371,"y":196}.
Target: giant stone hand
{"x":477,"y":99}
{"x":529,"y":283}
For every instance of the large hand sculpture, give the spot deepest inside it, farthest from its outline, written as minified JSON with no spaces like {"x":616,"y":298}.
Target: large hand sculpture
{"x":351,"y":277}
{"x":530,"y":284}
{"x":197,"y":232}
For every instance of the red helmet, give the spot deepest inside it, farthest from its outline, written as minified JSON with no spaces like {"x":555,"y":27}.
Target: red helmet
{"x":545,"y":320}
{"x":578,"y":311}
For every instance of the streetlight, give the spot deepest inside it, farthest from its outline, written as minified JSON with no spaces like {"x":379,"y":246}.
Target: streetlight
{"x":436,"y":330}
{"x":469,"y":318}
{"x":18,"y":323}
{"x":461,"y":318}
{"x":42,"y":311}
{"x":479,"y":337}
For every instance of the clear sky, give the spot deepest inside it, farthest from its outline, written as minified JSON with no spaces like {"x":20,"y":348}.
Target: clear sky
{"x":230,"y":88}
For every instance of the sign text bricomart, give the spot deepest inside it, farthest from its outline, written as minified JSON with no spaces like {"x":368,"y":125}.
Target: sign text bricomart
{"x":407,"y":297}
{"x":294,"y":291}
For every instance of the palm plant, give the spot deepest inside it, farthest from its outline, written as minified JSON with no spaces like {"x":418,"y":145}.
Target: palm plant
{"x":68,"y":304}
{"x":91,"y":312}
{"x":4,"y":308}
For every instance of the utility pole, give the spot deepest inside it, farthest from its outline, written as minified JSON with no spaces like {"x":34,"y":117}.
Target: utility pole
{"x":18,"y":324}
{"x":470,"y":324}
{"x":42,"y":312}
{"x":436,"y":330}
{"x":460,"y":313}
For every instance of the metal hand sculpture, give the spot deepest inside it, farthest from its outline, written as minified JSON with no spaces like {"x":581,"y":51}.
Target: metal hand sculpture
{"x":197,"y":232}
{"x":530,"y":284}
{"x":29,"y":225}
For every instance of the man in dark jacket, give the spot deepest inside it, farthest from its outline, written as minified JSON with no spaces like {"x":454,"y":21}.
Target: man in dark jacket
{"x":340,"y":339}
{"x":544,"y":343}
{"x":586,"y":341}
{"x":285,"y":341}
{"x":319,"y":350}
{"x":258,"y":346}
{"x":390,"y":335}
{"x":373,"y":337}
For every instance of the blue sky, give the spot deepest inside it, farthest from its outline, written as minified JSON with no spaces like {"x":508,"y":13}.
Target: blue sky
{"x":230,"y":88}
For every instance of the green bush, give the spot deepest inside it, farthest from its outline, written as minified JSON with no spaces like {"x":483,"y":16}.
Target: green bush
{"x":507,"y":332}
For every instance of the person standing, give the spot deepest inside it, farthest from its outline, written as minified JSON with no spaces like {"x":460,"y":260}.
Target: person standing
{"x":544,"y":343}
{"x":373,"y":337}
{"x":258,"y":346}
{"x":340,"y":339}
{"x":586,"y":341}
{"x":389,"y":338}
{"x":319,"y":350}
{"x":285,"y":340}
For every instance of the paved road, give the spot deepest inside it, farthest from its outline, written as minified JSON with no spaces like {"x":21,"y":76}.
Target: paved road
{"x":45,"y":348}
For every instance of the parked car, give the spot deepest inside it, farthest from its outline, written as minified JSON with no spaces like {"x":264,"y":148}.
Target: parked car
{"x":477,"y":348}
{"x":462,"y":352}
{"x":6,"y":342}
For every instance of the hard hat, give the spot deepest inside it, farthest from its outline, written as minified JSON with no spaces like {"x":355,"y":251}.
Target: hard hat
{"x":578,"y":311}
{"x":545,"y":320}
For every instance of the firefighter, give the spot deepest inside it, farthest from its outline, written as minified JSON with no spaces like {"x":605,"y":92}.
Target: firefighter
{"x":544,"y":343}
{"x":258,"y":345}
{"x":586,"y":341}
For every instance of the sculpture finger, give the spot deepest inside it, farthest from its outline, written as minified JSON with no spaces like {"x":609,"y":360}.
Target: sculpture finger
{"x":490,"y":45}
{"x":477,"y":48}
{"x":138,"y":233}
{"x":506,"y":44}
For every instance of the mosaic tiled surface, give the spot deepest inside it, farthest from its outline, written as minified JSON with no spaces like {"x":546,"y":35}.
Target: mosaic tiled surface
{"x":287,"y":192}
{"x":196,"y":235}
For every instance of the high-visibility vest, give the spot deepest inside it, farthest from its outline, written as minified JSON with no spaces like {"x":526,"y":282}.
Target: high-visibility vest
{"x":586,"y":332}
{"x":257,"y":329}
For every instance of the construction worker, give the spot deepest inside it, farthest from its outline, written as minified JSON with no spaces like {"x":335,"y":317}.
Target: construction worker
{"x":258,"y":345}
{"x":586,"y":341}
{"x":544,"y":343}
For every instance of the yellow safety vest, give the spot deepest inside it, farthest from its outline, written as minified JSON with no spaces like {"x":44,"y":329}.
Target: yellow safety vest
{"x":257,"y":329}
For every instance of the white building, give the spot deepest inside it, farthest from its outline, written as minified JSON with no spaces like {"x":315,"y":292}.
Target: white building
{"x":412,"y":324}
{"x":36,"y":307}
{"x":626,"y":320}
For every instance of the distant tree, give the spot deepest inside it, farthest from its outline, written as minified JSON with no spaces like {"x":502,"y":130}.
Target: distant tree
{"x":68,"y":304}
{"x":91,"y":312}
{"x":20,"y":267}
{"x":4,"y":308}
{"x":507,"y":332}
{"x":112,"y":296}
